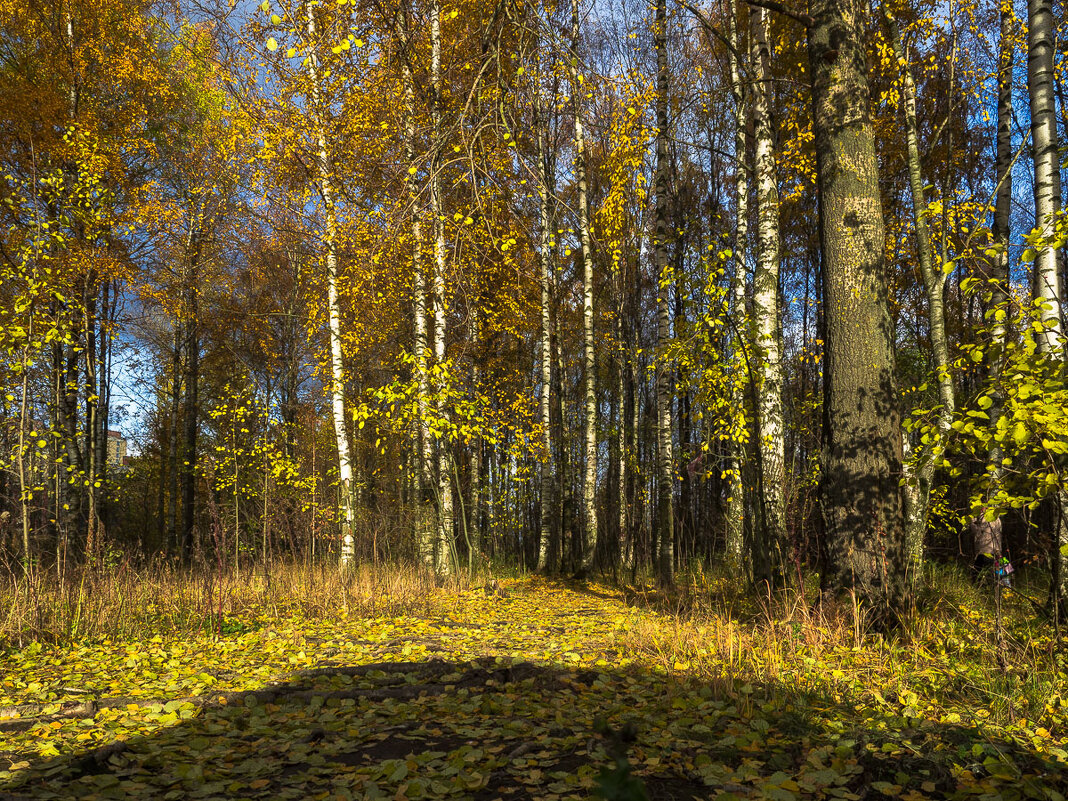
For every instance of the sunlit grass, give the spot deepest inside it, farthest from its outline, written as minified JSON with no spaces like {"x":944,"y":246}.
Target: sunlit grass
{"x":947,"y":661}
{"x":127,"y":602}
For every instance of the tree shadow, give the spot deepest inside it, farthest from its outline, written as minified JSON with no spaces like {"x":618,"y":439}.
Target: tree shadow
{"x":494,"y":728}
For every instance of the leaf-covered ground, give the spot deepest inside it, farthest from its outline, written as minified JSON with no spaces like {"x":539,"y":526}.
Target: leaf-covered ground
{"x":527,"y":695}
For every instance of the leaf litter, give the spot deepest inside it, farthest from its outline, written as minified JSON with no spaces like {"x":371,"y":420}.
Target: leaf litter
{"x":542,"y":692}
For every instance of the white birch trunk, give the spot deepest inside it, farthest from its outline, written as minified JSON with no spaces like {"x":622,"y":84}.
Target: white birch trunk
{"x":423,"y":527}
{"x":545,"y":189}
{"x":474,"y":455}
{"x":1046,"y":285}
{"x":769,"y":554}
{"x":735,"y":534}
{"x":444,"y":471}
{"x":1044,"y":141}
{"x":337,"y":370}
{"x":589,"y":484}
{"x":665,"y":467}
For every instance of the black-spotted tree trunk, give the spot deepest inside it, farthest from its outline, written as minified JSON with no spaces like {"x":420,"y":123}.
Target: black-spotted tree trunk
{"x":665,"y":466}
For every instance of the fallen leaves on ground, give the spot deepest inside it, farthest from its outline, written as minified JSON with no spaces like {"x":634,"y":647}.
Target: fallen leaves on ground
{"x":506,"y":695}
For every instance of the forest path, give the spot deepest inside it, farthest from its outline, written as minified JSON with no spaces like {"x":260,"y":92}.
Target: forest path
{"x":526,"y":695}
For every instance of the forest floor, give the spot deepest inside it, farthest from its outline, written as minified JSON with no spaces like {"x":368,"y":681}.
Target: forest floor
{"x":538,"y":690}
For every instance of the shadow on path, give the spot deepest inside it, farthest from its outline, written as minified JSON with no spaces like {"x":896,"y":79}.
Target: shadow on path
{"x":494,"y":728}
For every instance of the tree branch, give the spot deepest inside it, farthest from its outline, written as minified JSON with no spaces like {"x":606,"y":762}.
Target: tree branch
{"x":774,"y":5}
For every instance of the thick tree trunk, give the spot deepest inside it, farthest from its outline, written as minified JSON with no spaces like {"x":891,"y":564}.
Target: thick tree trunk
{"x":324,"y":168}
{"x":861,"y":468}
{"x":589,"y":482}
{"x":665,"y":468}
{"x":769,"y":551}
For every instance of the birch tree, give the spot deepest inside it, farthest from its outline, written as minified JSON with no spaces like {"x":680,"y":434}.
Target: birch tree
{"x":665,"y":466}
{"x":423,"y":478}
{"x":735,"y":494}
{"x":589,"y":482}
{"x":445,"y":545}
{"x":547,"y":549}
{"x":769,"y":554}
{"x":324,"y":170}
{"x":1046,"y":285}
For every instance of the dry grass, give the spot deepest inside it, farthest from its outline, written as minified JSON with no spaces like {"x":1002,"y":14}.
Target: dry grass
{"x":128,"y":602}
{"x":948,"y":654}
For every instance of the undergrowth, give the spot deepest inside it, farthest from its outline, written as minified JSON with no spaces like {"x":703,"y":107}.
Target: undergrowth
{"x":128,"y":603}
{"x":959,"y":654}
{"x":946,"y":661}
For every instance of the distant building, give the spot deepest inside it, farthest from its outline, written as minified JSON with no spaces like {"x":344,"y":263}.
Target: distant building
{"x":116,"y":449}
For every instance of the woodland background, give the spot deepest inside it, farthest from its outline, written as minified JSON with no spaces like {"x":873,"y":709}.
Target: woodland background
{"x":531,"y":284}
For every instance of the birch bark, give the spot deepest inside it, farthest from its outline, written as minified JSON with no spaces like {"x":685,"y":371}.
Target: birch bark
{"x":769,"y":554}
{"x":735,"y":534}
{"x":445,"y":549}
{"x":424,"y":530}
{"x":1046,"y":285}
{"x":546,"y":546}
{"x":589,"y":483}
{"x":324,"y":168}
{"x":665,"y":467}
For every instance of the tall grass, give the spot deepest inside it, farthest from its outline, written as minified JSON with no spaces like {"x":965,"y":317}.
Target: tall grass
{"x":957,"y":650}
{"x":128,"y":602}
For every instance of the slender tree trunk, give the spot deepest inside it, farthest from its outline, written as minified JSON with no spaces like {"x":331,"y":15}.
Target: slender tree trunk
{"x":1046,"y":285}
{"x":173,"y":545}
{"x":547,"y":549}
{"x":665,"y":468}
{"x":861,"y":498}
{"x":769,"y":552}
{"x":474,"y":446}
{"x":444,"y":488}
{"x":92,"y":408}
{"x":1001,"y":229}
{"x":918,"y":487}
{"x":23,"y":449}
{"x":564,"y":511}
{"x":324,"y":168}
{"x":589,"y":483}
{"x":191,"y":385}
{"x":108,"y":305}
{"x":622,"y":537}
{"x":735,"y":533}
{"x":424,"y":478}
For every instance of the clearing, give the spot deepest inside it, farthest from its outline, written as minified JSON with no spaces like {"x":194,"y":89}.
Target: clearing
{"x":536,"y":692}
